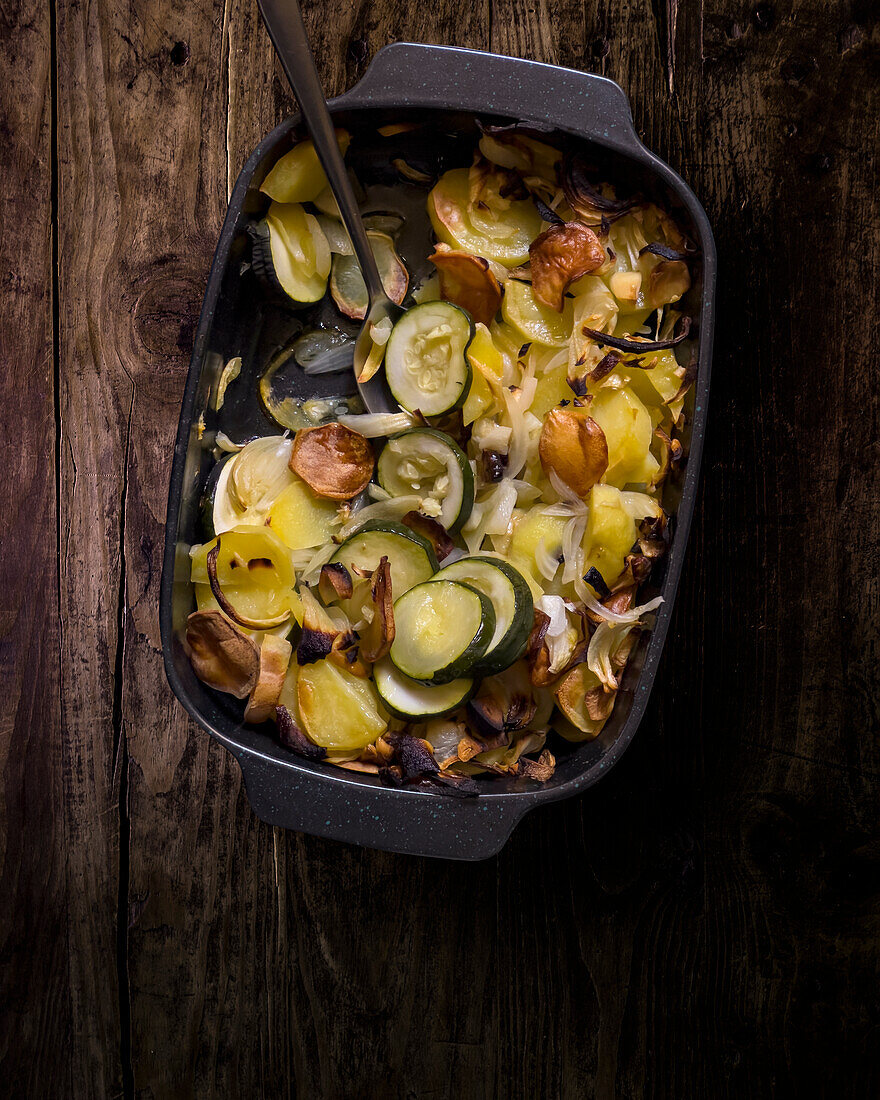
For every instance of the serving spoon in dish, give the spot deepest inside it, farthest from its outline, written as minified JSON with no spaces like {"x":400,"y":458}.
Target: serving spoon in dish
{"x":284,"y":22}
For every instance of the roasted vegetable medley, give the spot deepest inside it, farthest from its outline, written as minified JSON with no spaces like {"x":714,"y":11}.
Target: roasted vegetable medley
{"x":430,"y":595}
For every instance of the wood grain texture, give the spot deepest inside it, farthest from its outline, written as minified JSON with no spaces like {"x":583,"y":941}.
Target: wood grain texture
{"x":33,"y":918}
{"x":703,"y":923}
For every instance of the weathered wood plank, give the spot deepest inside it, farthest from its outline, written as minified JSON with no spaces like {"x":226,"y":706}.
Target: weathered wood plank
{"x":94,"y":408}
{"x":35,"y":1020}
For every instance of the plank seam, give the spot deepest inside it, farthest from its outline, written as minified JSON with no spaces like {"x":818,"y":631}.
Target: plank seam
{"x":120,"y":756}
{"x":55,"y":290}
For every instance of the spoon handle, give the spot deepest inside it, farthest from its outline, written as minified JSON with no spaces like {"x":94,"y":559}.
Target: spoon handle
{"x":284,"y":22}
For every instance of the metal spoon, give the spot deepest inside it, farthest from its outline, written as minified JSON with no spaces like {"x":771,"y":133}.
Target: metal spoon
{"x":284,"y":22}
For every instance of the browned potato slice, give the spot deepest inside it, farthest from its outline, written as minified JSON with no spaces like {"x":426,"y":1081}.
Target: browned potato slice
{"x":334,"y":461}
{"x":560,"y":255}
{"x":572,"y":699}
{"x":667,"y":282}
{"x":222,"y":656}
{"x":467,"y":281}
{"x":274,"y":658}
{"x":574,"y":447}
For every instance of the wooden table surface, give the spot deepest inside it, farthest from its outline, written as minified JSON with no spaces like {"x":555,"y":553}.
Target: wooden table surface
{"x":705,"y":922}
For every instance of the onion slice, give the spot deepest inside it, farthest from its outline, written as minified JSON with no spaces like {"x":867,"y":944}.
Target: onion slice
{"x":623,"y":619}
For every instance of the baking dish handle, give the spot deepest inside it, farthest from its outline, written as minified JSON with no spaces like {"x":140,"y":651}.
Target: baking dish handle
{"x":410,"y":74}
{"x":419,"y":823}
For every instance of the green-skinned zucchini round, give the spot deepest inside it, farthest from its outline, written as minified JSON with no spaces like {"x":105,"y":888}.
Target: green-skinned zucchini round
{"x":442,"y":628}
{"x":414,"y":461}
{"x":425,"y":362}
{"x":411,"y":558}
{"x":411,"y":701}
{"x":512,"y":601}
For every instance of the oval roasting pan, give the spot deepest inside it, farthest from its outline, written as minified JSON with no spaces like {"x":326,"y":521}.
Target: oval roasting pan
{"x":451,"y":87}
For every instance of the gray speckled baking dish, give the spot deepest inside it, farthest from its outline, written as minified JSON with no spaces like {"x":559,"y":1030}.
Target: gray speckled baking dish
{"x":451,"y":87}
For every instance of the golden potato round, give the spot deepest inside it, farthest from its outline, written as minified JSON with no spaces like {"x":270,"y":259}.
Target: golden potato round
{"x":573,"y":446}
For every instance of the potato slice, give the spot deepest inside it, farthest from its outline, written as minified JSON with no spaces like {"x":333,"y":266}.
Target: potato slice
{"x":335,"y":461}
{"x":534,"y":320}
{"x":222,"y":656}
{"x":298,"y":175}
{"x":467,"y":281}
{"x":254,"y":571}
{"x":609,"y":535}
{"x":274,"y":658}
{"x":573,"y":446}
{"x":301,"y":518}
{"x":628,"y":431}
{"x":571,"y":698}
{"x":338,"y":711}
{"x":560,"y":255}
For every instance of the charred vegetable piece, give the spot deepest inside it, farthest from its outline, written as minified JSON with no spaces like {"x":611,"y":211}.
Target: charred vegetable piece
{"x":347,"y":286}
{"x":431,"y":530}
{"x":468,"y":282}
{"x":334,"y":461}
{"x":443,"y":628}
{"x":335,"y":582}
{"x":291,"y":736}
{"x":298,"y":175}
{"x":584,"y":195}
{"x":429,"y":464}
{"x":378,"y":634}
{"x":425,"y":361}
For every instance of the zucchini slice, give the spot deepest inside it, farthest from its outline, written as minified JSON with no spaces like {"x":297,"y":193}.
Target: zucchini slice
{"x":511,"y":600}
{"x":347,"y":287}
{"x":442,"y":628}
{"x":405,"y":698}
{"x":425,"y":361}
{"x":429,"y":464}
{"x":290,"y":253}
{"x":410,"y":556}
